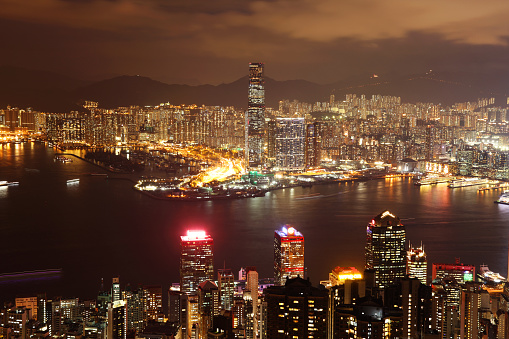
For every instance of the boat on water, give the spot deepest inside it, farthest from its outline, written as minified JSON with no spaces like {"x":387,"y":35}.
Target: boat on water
{"x":503,"y":198}
{"x":9,"y":183}
{"x":468,"y":182}
{"x":73,"y":181}
{"x":490,"y":277}
{"x":63,"y":159}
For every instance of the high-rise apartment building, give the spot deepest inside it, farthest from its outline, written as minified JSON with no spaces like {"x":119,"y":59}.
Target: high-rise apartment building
{"x":154,"y":302}
{"x":313,"y":143}
{"x":296,"y":310}
{"x":196,"y":260}
{"x":255,"y":117}
{"x":385,"y":249}
{"x":290,"y":143}
{"x":252,"y":292}
{"x":288,"y":254}
{"x":417,"y":264}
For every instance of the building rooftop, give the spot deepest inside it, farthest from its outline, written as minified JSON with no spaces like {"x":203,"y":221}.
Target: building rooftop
{"x":386,"y":218}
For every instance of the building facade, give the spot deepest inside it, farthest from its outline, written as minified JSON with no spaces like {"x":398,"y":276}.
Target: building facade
{"x":288,"y":255}
{"x":255,"y":117}
{"x":385,"y":249}
{"x":196,"y":260}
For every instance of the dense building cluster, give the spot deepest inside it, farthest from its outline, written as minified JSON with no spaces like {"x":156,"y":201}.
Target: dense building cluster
{"x":471,"y":138}
{"x":391,"y":299}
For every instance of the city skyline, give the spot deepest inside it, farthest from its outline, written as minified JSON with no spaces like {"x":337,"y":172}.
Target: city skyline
{"x":200,"y":42}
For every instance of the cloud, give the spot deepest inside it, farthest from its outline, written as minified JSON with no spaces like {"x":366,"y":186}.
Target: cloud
{"x":212,"y":41}
{"x":468,"y":21}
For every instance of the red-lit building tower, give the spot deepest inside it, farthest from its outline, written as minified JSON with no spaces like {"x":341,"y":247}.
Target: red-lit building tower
{"x":196,"y":260}
{"x":288,"y":255}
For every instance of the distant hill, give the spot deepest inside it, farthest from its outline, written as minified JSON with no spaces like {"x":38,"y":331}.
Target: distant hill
{"x":44,"y":91}
{"x":50,"y":92}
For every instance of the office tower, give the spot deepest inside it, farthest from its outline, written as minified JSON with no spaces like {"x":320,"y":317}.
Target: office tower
{"x":255,"y":117}
{"x":115,"y":290}
{"x":208,"y":305}
{"x":154,"y":302}
{"x":296,"y":310}
{"x":385,"y":249}
{"x":313,"y":142}
{"x":252,"y":292}
{"x":193,"y":316}
{"x":413,"y":299}
{"x":288,"y":254}
{"x":135,"y":308}
{"x":340,"y":274}
{"x":196,"y":260}
{"x":461,"y":273}
{"x":417,"y":264}
{"x":225,"y":280}
{"x":271,"y":141}
{"x":290,"y":143}
{"x":177,"y":309}
{"x":117,"y":320}
{"x":28,"y":303}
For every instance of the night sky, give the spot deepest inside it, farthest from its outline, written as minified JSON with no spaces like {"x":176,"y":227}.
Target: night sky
{"x":198,"y":42}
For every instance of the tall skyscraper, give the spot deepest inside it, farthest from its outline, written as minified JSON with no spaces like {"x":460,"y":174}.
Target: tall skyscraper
{"x":417,"y":264}
{"x":196,"y":260}
{"x":117,"y":320}
{"x":385,"y":249}
{"x":290,"y":143}
{"x":252,"y":290}
{"x":288,"y":254}
{"x":313,"y":143}
{"x":255,"y":117}
{"x":225,"y":280}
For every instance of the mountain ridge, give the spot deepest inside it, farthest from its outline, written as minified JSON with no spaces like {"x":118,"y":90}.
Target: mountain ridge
{"x":52,"y":92}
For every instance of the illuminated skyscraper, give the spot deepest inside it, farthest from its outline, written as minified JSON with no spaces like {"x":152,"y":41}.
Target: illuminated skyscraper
{"x":385,"y":249}
{"x":116,"y":294}
{"x":117,"y":320}
{"x":417,"y":264}
{"x":225,"y":279}
{"x":290,"y":143}
{"x":196,"y":260}
{"x":255,"y":117}
{"x":288,"y":255}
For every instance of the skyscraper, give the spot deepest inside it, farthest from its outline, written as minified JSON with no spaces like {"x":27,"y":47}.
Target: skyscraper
{"x":385,"y":249}
{"x":196,"y":260}
{"x":288,"y":254}
{"x":225,"y":280}
{"x":290,"y":143}
{"x":117,"y":320}
{"x":255,"y":117}
{"x":416,"y":264}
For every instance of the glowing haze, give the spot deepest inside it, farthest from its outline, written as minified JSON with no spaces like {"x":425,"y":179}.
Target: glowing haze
{"x":212,"y":42}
